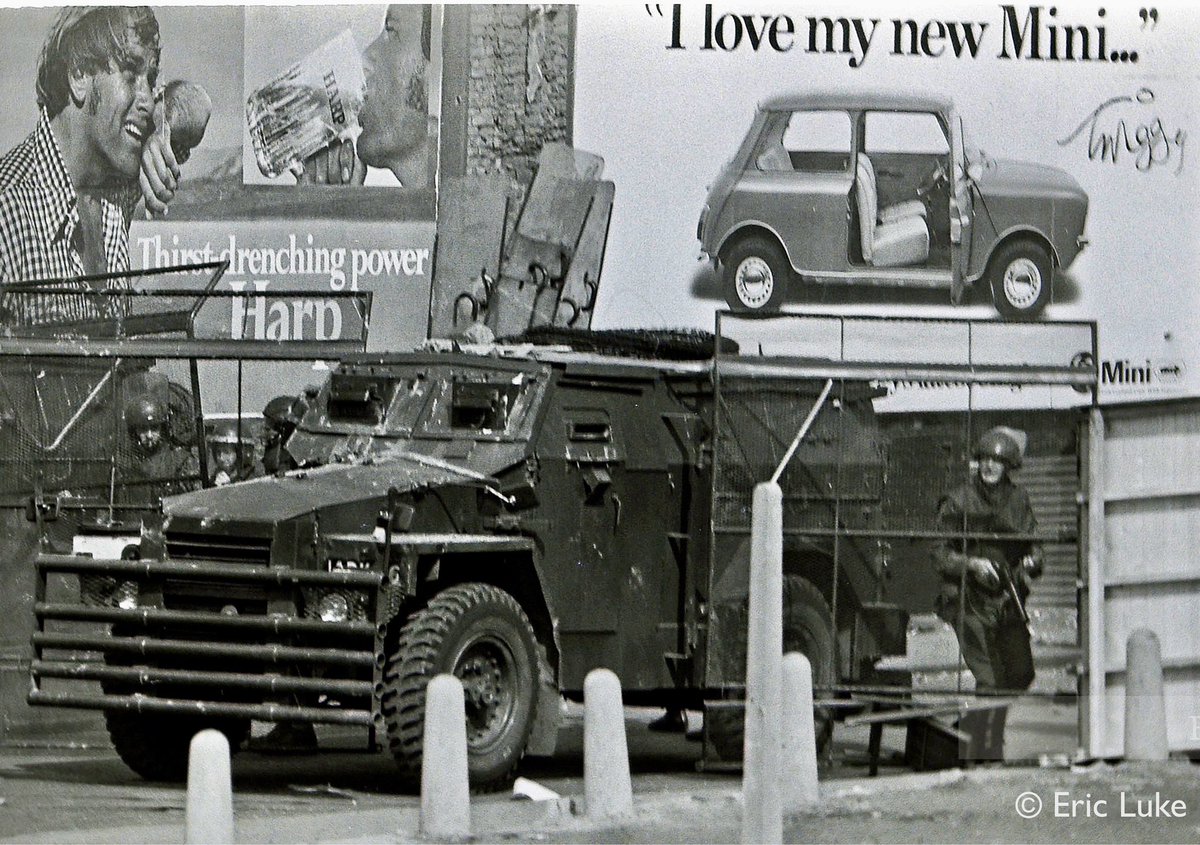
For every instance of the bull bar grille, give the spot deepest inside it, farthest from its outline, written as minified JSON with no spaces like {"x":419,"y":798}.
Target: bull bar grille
{"x":185,"y":546}
{"x":235,"y":645}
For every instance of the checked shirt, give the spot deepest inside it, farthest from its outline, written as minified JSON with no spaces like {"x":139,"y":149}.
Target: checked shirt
{"x":39,"y":237}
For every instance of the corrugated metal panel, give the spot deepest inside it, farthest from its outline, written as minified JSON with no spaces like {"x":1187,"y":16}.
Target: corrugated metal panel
{"x":1052,"y":482}
{"x":1147,"y":566}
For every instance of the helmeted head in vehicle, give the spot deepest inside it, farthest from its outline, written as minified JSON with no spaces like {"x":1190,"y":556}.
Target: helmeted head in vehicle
{"x":999,"y":451}
{"x":281,"y":415}
{"x":146,"y":419}
{"x":223,"y":438}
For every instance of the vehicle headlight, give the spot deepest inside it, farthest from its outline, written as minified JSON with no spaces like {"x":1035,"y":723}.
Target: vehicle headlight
{"x":333,"y":607}
{"x":126,"y":595}
{"x":106,"y":591}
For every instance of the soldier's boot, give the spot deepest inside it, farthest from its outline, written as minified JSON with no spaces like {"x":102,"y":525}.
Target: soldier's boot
{"x":994,"y":750}
{"x":672,"y":722}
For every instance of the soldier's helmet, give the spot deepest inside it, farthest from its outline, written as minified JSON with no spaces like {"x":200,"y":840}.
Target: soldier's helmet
{"x":1003,"y":444}
{"x":283,"y":413}
{"x":145,"y":412}
{"x":223,"y":431}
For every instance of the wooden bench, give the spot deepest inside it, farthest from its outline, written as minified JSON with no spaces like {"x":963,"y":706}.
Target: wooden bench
{"x":917,"y":717}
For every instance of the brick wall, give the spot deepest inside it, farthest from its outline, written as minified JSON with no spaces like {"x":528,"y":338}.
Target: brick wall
{"x":519,"y":87}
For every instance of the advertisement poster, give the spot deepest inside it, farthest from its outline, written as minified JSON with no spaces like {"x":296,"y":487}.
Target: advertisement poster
{"x":1090,"y":105}
{"x":282,"y":224}
{"x":960,"y":243}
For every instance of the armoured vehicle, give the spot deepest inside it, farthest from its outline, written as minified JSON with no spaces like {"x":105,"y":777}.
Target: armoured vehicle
{"x":515,"y":514}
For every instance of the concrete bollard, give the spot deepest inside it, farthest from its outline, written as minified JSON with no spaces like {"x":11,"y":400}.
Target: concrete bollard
{"x":607,"y":786}
{"x":799,"y":734}
{"x":208,"y":814}
{"x":1145,"y":708}
{"x":445,"y":790}
{"x":762,"y":811}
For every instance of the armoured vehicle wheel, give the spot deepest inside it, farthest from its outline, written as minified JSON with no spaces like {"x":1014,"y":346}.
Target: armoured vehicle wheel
{"x":755,"y":275}
{"x":1021,"y":275}
{"x":479,"y":633}
{"x":155,"y":745}
{"x":808,"y":629}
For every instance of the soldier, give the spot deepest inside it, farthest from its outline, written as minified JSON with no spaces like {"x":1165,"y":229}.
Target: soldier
{"x":226,"y":445}
{"x":161,"y":468}
{"x":985,"y":581}
{"x":280,"y":418}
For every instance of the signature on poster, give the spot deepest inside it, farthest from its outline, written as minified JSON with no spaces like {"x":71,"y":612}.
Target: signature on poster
{"x":1148,"y":143}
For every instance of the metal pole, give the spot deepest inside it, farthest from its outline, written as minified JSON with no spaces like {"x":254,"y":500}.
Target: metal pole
{"x":1096,"y":679}
{"x":812,"y":415}
{"x":762,"y":794}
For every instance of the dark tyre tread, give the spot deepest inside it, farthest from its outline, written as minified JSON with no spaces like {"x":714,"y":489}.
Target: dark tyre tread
{"x":769,"y":252}
{"x":725,"y":728}
{"x":413,"y":665}
{"x":156,"y":745}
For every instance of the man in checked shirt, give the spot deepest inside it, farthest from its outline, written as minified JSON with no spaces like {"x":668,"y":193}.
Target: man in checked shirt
{"x":68,"y":191}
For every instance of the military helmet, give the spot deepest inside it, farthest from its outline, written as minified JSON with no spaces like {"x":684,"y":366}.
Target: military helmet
{"x":145,"y":412}
{"x":1000,"y":443}
{"x":284,"y":411}
{"x":224,"y":431}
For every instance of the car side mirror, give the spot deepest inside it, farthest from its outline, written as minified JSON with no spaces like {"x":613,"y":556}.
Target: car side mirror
{"x":974,"y":171}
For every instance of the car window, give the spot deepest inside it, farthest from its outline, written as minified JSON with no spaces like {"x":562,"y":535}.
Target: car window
{"x":818,"y":140}
{"x":904,"y":132}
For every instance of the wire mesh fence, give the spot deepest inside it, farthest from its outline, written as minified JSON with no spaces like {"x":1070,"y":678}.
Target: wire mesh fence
{"x":908,"y":401}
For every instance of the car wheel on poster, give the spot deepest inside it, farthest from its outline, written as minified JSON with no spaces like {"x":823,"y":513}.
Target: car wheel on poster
{"x":755,"y":275}
{"x":1021,"y":276}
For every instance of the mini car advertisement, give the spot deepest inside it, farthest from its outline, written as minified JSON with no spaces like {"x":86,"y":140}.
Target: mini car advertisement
{"x":935,"y":160}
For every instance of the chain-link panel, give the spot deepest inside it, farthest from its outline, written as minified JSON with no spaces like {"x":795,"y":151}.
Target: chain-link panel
{"x":909,"y":400}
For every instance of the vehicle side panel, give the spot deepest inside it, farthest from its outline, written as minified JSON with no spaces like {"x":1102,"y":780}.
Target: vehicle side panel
{"x":609,"y":501}
{"x":809,"y":211}
{"x":1000,"y":215}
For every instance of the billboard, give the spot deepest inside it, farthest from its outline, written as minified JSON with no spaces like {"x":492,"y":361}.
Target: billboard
{"x":1037,"y":142}
{"x":299,"y":96}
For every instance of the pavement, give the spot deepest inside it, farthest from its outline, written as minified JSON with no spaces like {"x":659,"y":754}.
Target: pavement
{"x":1098,"y":803}
{"x":81,"y":793}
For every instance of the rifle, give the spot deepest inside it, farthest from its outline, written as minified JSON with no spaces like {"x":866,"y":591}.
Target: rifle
{"x":1011,"y":587}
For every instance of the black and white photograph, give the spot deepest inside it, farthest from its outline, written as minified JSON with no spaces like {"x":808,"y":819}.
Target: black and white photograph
{"x":645,"y":422}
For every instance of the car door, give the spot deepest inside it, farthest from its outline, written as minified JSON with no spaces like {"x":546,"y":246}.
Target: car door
{"x":799,"y":177}
{"x":962,"y":208}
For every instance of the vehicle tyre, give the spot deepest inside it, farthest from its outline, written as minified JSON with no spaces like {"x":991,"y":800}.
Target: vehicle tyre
{"x":808,"y":629}
{"x":479,"y":633}
{"x":155,"y":745}
{"x":755,"y":273}
{"x":1021,"y":276}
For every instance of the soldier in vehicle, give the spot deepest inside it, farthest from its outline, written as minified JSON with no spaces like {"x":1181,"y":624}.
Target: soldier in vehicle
{"x":232,"y":454}
{"x":985,"y":582}
{"x":280,"y":418}
{"x":161,"y":468}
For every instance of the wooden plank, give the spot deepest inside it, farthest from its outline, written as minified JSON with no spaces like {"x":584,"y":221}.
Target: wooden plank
{"x":574,"y":304}
{"x":559,"y":159}
{"x":905,"y":714}
{"x":471,"y":222}
{"x":550,"y":225}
